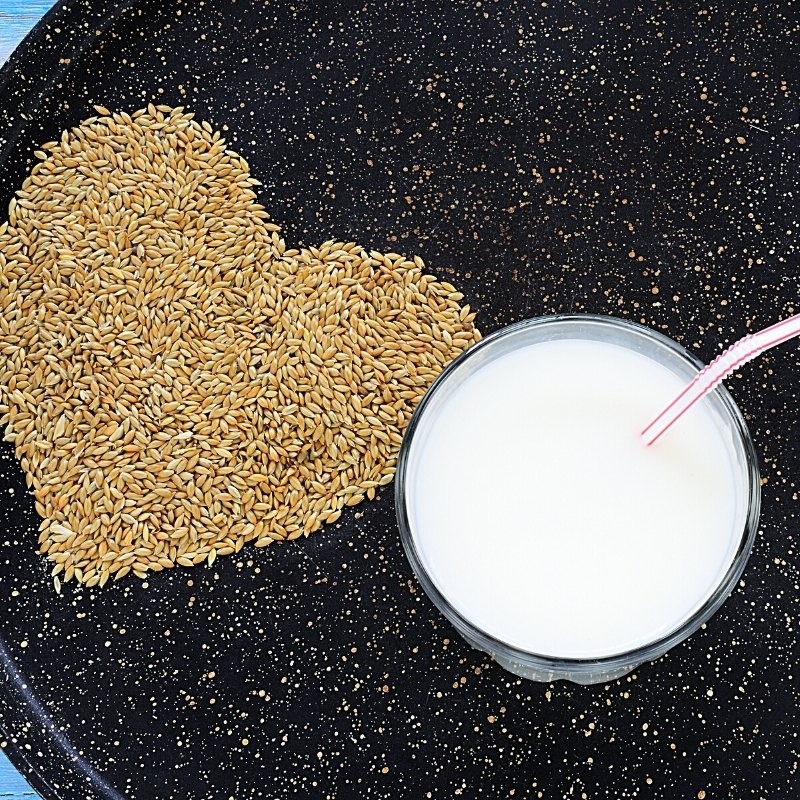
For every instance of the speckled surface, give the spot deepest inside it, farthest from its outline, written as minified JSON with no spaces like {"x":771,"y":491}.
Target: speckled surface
{"x":634,"y":160}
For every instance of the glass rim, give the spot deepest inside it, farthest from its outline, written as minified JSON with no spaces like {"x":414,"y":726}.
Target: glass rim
{"x":647,"y":652}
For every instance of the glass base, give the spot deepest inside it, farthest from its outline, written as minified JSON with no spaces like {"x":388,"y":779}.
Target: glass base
{"x":584,"y":677}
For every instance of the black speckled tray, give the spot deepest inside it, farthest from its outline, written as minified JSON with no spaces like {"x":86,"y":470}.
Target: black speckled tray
{"x":634,"y":160}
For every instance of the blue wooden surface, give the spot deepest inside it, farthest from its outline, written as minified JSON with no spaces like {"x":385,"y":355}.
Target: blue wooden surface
{"x":17,"y":17}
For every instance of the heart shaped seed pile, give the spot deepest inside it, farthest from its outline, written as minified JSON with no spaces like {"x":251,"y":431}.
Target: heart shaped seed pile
{"x":177,"y":382}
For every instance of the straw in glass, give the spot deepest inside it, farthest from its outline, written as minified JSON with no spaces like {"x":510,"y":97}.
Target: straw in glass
{"x":712,"y":374}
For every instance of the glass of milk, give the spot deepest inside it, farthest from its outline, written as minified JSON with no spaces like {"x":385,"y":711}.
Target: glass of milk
{"x":541,"y":525}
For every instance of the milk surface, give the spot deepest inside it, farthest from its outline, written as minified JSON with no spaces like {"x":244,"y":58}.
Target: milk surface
{"x":547,"y":523}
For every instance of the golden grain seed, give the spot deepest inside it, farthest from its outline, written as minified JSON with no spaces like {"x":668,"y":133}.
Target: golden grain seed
{"x":176,"y":381}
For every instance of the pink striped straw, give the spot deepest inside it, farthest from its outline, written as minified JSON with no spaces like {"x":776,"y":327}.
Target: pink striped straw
{"x":747,"y":348}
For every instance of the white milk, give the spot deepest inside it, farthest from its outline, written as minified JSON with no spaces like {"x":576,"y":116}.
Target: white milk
{"x":545,"y":521}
